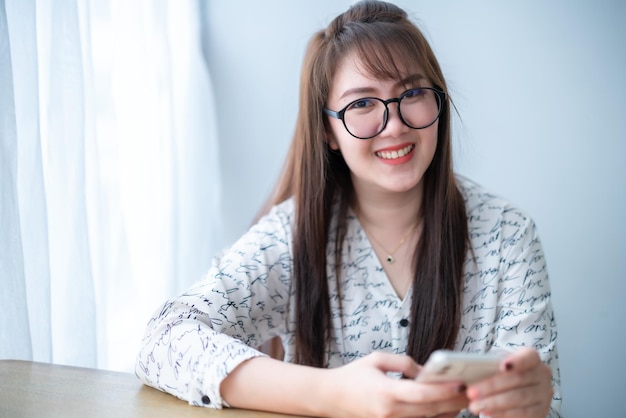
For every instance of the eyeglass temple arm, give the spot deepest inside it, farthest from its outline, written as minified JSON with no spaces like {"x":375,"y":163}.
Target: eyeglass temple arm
{"x":332,"y":113}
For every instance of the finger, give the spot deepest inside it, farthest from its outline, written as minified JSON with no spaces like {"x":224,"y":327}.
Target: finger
{"x":536,"y":410}
{"x":420,"y":399}
{"x":450,"y":415}
{"x":518,"y":403}
{"x":411,"y":375}
{"x":497,"y":384}
{"x":447,"y":409}
{"x":388,"y":362}
{"x":528,"y":390}
{"x":539,"y":374}
{"x":447,"y":415}
{"x":525,"y":358}
{"x":411,"y":391}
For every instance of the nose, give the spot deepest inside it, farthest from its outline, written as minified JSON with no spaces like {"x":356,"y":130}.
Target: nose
{"x":394,"y":123}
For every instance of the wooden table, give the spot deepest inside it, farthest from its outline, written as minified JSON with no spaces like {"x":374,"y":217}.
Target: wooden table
{"x":30,"y":389}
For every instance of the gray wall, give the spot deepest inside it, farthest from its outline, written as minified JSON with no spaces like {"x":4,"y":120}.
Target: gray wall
{"x":541,"y":90}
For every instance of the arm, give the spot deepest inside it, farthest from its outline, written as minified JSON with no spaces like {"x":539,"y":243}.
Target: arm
{"x":359,"y":389}
{"x":185,"y":355}
{"x":198,"y":347}
{"x":524,"y":323}
{"x":195,"y":340}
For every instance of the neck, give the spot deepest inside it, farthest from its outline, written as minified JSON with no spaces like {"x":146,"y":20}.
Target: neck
{"x":393,"y":212}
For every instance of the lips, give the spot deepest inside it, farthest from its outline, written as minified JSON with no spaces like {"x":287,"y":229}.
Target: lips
{"x":392,"y":155}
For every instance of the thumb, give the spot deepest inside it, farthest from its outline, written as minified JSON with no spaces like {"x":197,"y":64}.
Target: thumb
{"x":399,"y":363}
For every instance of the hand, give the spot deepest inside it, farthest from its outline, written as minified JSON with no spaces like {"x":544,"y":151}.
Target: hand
{"x":524,"y":389}
{"x":363,"y":389}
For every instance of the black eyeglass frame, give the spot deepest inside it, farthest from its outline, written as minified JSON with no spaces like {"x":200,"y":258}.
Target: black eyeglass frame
{"x":340,"y":114}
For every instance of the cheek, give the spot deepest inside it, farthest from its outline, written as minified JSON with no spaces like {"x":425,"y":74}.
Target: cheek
{"x":356,"y":154}
{"x":431,"y":139}
{"x":333,"y":132}
{"x":338,"y":138}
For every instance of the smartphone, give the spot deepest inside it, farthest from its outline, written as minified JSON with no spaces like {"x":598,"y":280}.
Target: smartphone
{"x":447,"y":365}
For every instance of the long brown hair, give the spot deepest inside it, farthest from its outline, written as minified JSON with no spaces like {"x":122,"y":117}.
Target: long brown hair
{"x":386,"y":42}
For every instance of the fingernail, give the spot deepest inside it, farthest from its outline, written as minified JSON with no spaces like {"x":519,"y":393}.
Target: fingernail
{"x":476,"y":407}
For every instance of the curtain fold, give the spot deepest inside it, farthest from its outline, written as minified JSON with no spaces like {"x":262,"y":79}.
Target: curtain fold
{"x":13,"y":296}
{"x":110,"y":180}
{"x":32,"y":205}
{"x":64,"y":172}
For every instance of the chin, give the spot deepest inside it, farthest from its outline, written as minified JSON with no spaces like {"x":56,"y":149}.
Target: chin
{"x":403,"y":188}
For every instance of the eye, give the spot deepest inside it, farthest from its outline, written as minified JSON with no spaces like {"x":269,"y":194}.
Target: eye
{"x":361,"y":104}
{"x":417,"y":92}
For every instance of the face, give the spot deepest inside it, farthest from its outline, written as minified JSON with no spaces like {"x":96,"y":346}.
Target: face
{"x":393,"y":161}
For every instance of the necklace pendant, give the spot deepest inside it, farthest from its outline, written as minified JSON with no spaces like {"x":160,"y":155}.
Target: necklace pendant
{"x":390,"y":259}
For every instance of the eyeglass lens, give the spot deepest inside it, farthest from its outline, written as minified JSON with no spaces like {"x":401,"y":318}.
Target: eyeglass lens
{"x":418,"y":108}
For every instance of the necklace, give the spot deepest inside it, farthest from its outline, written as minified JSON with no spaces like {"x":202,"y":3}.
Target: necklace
{"x":390,"y":254}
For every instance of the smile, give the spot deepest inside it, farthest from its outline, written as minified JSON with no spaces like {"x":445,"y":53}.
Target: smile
{"x":392,"y":155}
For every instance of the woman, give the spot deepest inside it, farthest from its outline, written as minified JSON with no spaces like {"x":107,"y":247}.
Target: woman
{"x":370,"y":255}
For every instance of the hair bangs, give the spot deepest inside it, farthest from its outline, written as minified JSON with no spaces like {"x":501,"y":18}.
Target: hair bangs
{"x":385,"y":52}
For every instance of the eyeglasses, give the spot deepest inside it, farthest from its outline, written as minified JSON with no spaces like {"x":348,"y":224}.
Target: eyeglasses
{"x":365,"y":118}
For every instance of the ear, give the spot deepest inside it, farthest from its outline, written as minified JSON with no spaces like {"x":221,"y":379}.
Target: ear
{"x":332,"y":142}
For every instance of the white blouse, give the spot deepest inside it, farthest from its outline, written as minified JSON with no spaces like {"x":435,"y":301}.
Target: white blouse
{"x":195,"y":340}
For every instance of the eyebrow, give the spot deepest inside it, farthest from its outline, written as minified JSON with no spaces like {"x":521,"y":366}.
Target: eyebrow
{"x":414,"y":78}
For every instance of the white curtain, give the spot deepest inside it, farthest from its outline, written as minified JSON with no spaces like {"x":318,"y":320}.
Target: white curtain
{"x":109,"y":176}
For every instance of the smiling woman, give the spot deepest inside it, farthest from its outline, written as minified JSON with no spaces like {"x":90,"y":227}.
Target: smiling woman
{"x":371,"y":254}
{"x":109,"y":175}
{"x":515,"y":73}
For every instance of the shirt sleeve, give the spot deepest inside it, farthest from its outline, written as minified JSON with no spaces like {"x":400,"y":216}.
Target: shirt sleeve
{"x":195,"y":340}
{"x":524,"y":315}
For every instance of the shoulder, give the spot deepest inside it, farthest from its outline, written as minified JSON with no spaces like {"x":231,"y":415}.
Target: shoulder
{"x":272,"y":231}
{"x":282,"y":213}
{"x":478,"y":199}
{"x":482,"y":204}
{"x":493,"y":219}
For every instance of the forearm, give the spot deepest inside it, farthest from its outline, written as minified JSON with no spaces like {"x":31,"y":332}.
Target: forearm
{"x":362,"y":388}
{"x":262,"y":383}
{"x":186,"y":357}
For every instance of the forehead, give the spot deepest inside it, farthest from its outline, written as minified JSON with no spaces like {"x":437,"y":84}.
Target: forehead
{"x":352,"y":73}
{"x":350,"y":70}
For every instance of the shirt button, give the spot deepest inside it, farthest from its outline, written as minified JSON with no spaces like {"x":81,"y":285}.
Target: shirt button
{"x":404,"y":322}
{"x":206,"y":400}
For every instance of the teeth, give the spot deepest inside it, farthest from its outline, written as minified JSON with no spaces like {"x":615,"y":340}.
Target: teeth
{"x":391,"y":155}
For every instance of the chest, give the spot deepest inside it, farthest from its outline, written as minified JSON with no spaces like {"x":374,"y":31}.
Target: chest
{"x":366,"y":312}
